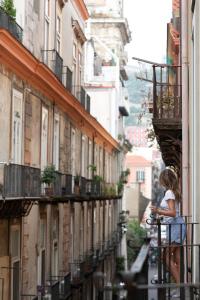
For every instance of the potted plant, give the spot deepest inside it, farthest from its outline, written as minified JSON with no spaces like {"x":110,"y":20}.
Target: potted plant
{"x":48,"y":177}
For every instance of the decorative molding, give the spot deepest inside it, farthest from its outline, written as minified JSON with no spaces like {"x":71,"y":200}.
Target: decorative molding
{"x":78,"y":31}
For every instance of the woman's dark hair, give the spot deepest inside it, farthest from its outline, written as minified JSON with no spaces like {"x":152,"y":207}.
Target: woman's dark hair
{"x":169,"y":180}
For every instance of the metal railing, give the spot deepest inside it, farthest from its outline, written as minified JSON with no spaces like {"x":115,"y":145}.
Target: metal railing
{"x":156,"y":279}
{"x":10,"y":24}
{"x":54,"y":61}
{"x":77,"y":272}
{"x":167,"y":100}
{"x":19,"y":181}
{"x":67,"y":78}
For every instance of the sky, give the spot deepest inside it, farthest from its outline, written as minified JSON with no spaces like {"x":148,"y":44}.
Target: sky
{"x":148,"y":23}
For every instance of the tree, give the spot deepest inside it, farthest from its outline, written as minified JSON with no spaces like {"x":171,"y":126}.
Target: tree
{"x":9,"y":8}
{"x":136,"y":234}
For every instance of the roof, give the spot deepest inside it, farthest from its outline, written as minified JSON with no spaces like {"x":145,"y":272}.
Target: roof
{"x":137,"y":161}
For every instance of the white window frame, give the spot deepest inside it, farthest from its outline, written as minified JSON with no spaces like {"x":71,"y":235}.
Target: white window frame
{"x":17,"y":124}
{"x":83,"y":167}
{"x":56,"y":141}
{"x":44,"y":142}
{"x":140,"y":175}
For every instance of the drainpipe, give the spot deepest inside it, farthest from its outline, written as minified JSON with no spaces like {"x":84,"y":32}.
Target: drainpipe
{"x":185,"y":108}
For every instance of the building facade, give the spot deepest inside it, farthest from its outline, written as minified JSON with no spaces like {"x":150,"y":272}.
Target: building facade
{"x":54,"y":233}
{"x":108,"y":33}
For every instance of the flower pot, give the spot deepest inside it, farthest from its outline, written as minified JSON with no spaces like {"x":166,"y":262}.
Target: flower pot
{"x":49,"y":191}
{"x":77,"y":190}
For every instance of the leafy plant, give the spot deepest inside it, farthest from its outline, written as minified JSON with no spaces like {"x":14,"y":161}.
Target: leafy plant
{"x":9,"y":8}
{"x":137,"y":235}
{"x":48,"y":175}
{"x":120,"y":187}
{"x":77,"y":179}
{"x":97,"y":178}
{"x":93,"y":168}
{"x":120,"y":263}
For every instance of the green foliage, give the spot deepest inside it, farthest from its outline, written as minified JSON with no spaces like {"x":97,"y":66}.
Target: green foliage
{"x":97,"y":178}
{"x":136,"y":234}
{"x":77,"y":179}
{"x":120,"y":187}
{"x":9,"y":8}
{"x":93,"y":168}
{"x":120,"y":263}
{"x":48,"y":175}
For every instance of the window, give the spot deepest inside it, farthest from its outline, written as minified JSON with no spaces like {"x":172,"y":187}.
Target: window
{"x":74,"y":68}
{"x":56,"y":141}
{"x":15,"y":262}
{"x":17,"y":127}
{"x":55,"y":236}
{"x":44,"y":137}
{"x":73,"y":152}
{"x":140,"y":176}
{"x":46,"y":29}
{"x":42,"y":252}
{"x":58,"y":34}
{"x":83,"y":173}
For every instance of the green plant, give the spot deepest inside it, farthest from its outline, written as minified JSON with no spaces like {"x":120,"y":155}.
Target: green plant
{"x":9,"y":8}
{"x":124,"y":175}
{"x":48,"y":175}
{"x":120,"y":263}
{"x":97,"y":178}
{"x":77,"y":179}
{"x":136,"y":234}
{"x":120,"y":187}
{"x":93,"y":168}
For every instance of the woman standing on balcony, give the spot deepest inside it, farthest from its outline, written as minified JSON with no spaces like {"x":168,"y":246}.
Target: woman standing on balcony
{"x":169,"y":210}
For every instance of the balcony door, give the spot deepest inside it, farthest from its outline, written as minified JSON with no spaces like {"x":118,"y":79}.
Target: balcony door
{"x":44,"y":138}
{"x":41,"y":262}
{"x":17,"y":127}
{"x":56,"y":141}
{"x":15,"y":262}
{"x":73,"y":155}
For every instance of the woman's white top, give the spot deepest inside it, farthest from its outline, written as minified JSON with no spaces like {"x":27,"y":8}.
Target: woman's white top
{"x":164,"y":205}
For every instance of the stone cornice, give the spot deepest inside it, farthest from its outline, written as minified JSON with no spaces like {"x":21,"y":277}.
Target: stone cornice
{"x":21,"y":62}
{"x":82,"y":9}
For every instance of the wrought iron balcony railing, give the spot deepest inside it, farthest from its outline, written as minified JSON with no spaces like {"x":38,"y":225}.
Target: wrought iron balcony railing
{"x":10,"y":24}
{"x":167,"y":93}
{"x":165,"y":278}
{"x":19,"y":181}
{"x":77,"y":272}
{"x":54,"y":61}
{"x":67,"y":78}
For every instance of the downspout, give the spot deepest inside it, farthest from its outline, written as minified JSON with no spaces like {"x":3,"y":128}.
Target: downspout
{"x":185,"y":108}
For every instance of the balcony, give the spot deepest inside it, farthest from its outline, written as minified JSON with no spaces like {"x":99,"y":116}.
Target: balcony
{"x":77,"y":273}
{"x":124,"y":106}
{"x":19,"y":186}
{"x":167,"y":112}
{"x":18,"y":181}
{"x":9,"y":24}
{"x":54,"y":61}
{"x":153,"y":279}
